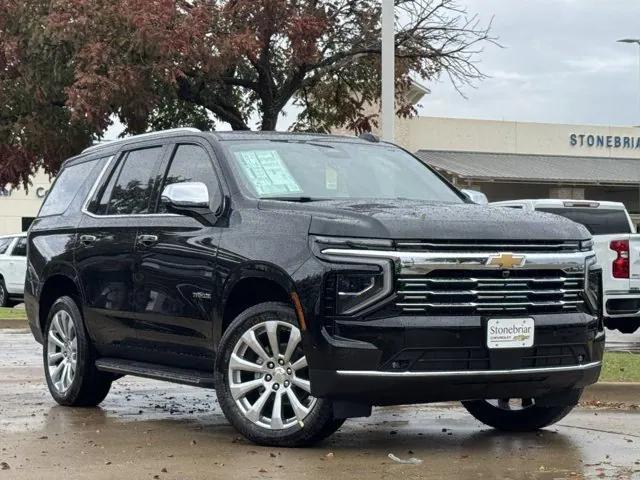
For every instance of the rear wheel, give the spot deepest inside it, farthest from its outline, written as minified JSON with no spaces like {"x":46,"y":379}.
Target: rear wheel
{"x":72,"y":377}
{"x":516,"y":415}
{"x":262,"y":380}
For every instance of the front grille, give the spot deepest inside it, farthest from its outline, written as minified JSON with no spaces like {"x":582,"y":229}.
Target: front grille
{"x":478,"y":358}
{"x":523,"y":246}
{"x":458,"y":292}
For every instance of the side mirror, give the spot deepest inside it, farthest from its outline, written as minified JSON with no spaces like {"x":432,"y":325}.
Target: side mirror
{"x":190,"y":199}
{"x":186,"y":196}
{"x":476,"y":196}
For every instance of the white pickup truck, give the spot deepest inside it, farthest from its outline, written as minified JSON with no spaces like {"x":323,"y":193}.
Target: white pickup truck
{"x":13,"y":268}
{"x":617,"y":247}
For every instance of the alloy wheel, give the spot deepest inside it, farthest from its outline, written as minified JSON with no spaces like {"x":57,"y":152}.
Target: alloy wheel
{"x":269,"y":376}
{"x":62,"y":351}
{"x":512,"y":404}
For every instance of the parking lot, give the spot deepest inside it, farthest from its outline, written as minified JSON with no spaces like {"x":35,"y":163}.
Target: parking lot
{"x":148,"y":429}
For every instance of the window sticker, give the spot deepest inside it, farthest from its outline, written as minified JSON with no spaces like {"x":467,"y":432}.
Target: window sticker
{"x":331,"y":178}
{"x":267,"y":172}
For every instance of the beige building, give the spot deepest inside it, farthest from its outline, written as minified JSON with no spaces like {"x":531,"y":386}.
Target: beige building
{"x":515,"y":160}
{"x":18,"y":207}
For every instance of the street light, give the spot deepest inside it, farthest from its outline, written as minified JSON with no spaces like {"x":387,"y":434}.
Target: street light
{"x":637,"y":42}
{"x":388,"y":112}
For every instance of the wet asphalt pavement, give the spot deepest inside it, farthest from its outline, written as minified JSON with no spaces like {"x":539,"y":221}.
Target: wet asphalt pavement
{"x":152,"y":430}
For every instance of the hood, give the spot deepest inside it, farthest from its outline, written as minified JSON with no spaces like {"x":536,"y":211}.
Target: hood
{"x":408,"y":219}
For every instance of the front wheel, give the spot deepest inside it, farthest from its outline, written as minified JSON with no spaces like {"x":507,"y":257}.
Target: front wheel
{"x":262,"y":380}
{"x":516,"y":415}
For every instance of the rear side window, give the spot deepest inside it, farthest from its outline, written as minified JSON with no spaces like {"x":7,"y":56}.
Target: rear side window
{"x":4,"y":244}
{"x":191,"y":163}
{"x":130,"y":188}
{"x":599,"y":221}
{"x":65,"y":188}
{"x":20,"y":250}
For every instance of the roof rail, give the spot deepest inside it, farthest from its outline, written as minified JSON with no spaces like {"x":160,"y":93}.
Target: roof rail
{"x":369,"y":137}
{"x":103,"y":143}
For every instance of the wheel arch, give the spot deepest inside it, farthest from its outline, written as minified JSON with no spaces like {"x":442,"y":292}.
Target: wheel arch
{"x":251,"y":284}
{"x":58,"y":283}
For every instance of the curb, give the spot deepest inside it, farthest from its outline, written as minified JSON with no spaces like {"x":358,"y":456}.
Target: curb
{"x":612,"y":392}
{"x":14,"y":324}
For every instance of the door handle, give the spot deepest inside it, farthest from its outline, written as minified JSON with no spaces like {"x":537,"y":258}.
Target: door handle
{"x":147,"y":240}
{"x":87,"y":240}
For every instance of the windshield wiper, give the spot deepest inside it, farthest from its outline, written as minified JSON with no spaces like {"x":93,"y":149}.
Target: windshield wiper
{"x":294,"y":199}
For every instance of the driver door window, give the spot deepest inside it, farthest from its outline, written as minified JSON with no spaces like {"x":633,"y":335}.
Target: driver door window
{"x":191,"y":163}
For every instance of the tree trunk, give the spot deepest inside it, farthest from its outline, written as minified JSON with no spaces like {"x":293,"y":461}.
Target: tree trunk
{"x":269,"y":121}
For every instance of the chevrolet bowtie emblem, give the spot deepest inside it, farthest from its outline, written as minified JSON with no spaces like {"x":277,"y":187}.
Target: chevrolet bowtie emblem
{"x":506,"y":260}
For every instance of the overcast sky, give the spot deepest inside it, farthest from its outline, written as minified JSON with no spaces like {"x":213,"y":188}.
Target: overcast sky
{"x":560,"y":63}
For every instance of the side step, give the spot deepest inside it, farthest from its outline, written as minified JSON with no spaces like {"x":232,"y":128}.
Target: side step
{"x":184,"y":376}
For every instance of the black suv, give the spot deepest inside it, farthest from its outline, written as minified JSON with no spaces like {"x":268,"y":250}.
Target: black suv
{"x":306,"y":278}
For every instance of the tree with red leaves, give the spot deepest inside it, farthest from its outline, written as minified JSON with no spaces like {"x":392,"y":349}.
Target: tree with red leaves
{"x":68,"y":67}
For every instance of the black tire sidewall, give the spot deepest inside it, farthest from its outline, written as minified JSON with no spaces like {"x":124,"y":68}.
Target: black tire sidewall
{"x":317,"y":425}
{"x":526,"y":420}
{"x":84,"y":365}
{"x":4,"y":295}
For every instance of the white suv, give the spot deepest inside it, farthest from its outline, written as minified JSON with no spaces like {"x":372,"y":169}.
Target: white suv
{"x":13,"y":267}
{"x":617,"y":248}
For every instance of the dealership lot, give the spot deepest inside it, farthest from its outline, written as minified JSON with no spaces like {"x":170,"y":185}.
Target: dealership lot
{"x":148,"y":429}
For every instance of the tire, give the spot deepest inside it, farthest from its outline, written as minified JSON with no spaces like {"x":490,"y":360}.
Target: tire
{"x":623,"y":325}
{"x":65,"y":339}
{"x":249,"y":410}
{"x":526,"y":419}
{"x":4,"y":295}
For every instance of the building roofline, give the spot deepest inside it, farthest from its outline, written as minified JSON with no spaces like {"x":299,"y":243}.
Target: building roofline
{"x":514,"y":154}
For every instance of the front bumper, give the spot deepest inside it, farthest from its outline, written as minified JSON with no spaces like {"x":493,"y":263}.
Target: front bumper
{"x":413,"y":359}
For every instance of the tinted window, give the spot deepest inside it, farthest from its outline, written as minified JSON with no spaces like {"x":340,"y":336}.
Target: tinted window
{"x":4,"y":244}
{"x":191,"y":163}
{"x":599,"y":221}
{"x":133,"y":187}
{"x":20,"y":250}
{"x":65,"y":188}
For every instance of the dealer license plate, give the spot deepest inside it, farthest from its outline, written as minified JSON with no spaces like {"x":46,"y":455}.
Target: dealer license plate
{"x":510,"y":332}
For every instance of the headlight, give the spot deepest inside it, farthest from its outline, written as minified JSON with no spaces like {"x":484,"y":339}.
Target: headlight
{"x":357,"y":281}
{"x":357,"y":290}
{"x":593,"y":285}
{"x":586,"y":245}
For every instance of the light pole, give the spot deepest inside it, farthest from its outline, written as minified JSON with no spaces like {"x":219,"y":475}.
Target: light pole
{"x":637,"y":42}
{"x":388,"y":114}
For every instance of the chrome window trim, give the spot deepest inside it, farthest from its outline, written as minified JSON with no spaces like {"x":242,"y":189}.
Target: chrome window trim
{"x":468,"y":373}
{"x":85,"y":206}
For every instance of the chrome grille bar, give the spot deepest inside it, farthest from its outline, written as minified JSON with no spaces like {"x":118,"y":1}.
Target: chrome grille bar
{"x":569,"y":246}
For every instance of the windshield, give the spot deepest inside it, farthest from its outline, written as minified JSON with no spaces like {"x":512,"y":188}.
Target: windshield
{"x":325,"y":169}
{"x":599,"y":221}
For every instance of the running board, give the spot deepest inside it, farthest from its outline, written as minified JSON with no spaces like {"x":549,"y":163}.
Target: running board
{"x":184,"y":376}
